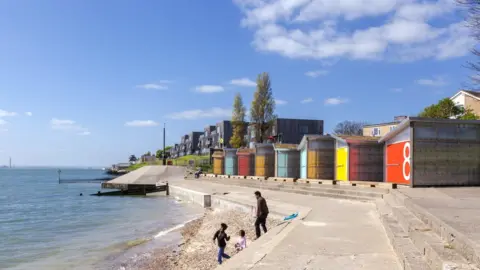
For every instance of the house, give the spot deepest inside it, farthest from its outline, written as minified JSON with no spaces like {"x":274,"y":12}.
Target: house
{"x":174,"y":151}
{"x":192,"y":142}
{"x":288,"y":131}
{"x":201,"y":140}
{"x":378,"y":130}
{"x":205,"y":140}
{"x":468,"y":100}
{"x":148,"y":158}
{"x":224,"y":132}
{"x":183,"y":145}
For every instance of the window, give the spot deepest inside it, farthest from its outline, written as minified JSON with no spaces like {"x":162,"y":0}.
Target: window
{"x":304,"y":129}
{"x":252,"y":133}
{"x":376,"y":131}
{"x":392,"y":128}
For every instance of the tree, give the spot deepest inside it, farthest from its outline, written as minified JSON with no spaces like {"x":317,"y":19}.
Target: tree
{"x":349,"y":128}
{"x":473,"y":22}
{"x":238,"y":122}
{"x":159,"y":153}
{"x":446,"y":109}
{"x":132,"y":158}
{"x":263,"y":107}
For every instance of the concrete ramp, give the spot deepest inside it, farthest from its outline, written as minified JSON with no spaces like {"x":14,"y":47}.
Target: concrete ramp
{"x":148,"y":177}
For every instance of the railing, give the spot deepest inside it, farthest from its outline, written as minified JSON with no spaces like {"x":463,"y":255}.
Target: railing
{"x":191,"y":163}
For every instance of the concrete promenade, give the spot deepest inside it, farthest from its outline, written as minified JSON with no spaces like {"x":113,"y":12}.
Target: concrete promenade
{"x":405,"y":228}
{"x":334,"y":234}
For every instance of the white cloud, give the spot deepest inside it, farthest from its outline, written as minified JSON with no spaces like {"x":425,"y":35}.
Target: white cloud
{"x":209,"y":88}
{"x":141,"y":123}
{"x":3,"y":130}
{"x":280,"y":102}
{"x":159,"y":85}
{"x":246,"y":82}
{"x":316,"y":73}
{"x":4,"y":113}
{"x":68,"y":125}
{"x":196,"y":114}
{"x":28,"y":113}
{"x":3,"y":122}
{"x":335,"y":101}
{"x":435,"y":82}
{"x":400,"y":30}
{"x":396,"y":90}
{"x":307,"y":100}
{"x":152,"y":86}
{"x":84,"y":133}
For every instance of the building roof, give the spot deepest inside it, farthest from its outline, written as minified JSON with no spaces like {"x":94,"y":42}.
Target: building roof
{"x":406,"y":123}
{"x":383,"y":124}
{"x":474,"y":94}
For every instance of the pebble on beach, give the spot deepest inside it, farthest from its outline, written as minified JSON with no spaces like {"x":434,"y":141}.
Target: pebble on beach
{"x":198,"y":251}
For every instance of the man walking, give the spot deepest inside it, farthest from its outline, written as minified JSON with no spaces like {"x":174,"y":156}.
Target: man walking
{"x":262,"y":213}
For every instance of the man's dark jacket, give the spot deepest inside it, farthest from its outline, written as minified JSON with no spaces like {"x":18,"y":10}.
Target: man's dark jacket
{"x":262,"y":208}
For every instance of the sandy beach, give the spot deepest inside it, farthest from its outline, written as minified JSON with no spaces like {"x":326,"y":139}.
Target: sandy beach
{"x":198,"y":251}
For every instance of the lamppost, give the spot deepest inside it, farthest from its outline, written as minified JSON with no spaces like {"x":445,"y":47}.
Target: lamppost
{"x":164,"y":154}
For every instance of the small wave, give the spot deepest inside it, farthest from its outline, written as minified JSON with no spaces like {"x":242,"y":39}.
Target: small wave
{"x":136,"y":242}
{"x":179,"y":226}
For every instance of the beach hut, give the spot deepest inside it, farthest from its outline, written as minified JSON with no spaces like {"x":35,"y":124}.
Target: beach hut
{"x":433,"y":152}
{"x":317,"y":153}
{"x":264,"y":160}
{"x":218,"y":161}
{"x":287,"y":160}
{"x":246,"y":161}
{"x":358,"y":158}
{"x":231,"y":166}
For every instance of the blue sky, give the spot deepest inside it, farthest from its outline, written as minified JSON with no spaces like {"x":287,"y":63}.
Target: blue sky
{"x":90,"y":82}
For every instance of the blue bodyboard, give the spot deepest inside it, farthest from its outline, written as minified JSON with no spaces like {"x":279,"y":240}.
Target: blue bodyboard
{"x":292,"y":216}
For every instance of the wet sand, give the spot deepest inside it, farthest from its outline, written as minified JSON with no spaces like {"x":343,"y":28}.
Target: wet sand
{"x":198,"y":251}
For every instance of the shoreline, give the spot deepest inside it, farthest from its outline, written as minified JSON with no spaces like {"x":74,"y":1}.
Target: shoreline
{"x":197,"y":250}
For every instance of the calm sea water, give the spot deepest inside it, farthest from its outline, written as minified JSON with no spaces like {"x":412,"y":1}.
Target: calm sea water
{"x":46,"y":225}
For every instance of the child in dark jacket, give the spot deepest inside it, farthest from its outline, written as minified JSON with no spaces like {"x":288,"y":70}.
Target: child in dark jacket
{"x":221,"y":237}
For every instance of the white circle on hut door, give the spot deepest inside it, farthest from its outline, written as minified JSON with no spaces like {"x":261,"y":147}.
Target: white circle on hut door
{"x":314,"y":224}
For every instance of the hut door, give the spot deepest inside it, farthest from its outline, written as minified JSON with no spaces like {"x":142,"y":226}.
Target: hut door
{"x":217,"y":166}
{"x":342,"y":166}
{"x":398,"y":163}
{"x":303,"y":164}
{"x":229,"y":166}
{"x":281,"y":164}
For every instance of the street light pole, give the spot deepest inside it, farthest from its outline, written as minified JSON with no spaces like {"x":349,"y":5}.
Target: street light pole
{"x":164,"y":154}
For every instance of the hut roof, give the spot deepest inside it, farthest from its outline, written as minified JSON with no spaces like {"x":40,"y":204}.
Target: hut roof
{"x":355,"y":138}
{"x":312,"y":138}
{"x":245,"y":151}
{"x":285,"y":146}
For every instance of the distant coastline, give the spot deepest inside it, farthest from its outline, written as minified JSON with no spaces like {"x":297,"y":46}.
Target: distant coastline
{"x":54,"y":167}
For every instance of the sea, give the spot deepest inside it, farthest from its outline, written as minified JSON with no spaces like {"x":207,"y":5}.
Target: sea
{"x":47,"y":225}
